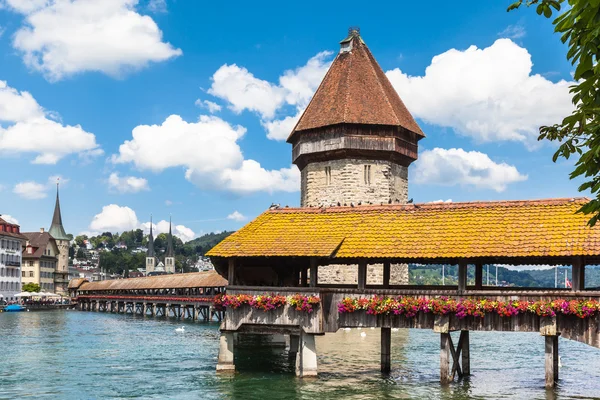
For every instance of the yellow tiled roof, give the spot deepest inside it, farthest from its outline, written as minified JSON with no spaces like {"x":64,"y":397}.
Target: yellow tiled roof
{"x":529,"y":228}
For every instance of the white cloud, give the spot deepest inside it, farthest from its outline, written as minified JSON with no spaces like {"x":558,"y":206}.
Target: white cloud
{"x":114,"y":218}
{"x":212,"y":107}
{"x":63,"y":37}
{"x":127,"y":184}
{"x":10,"y":219}
{"x":488,"y":94}
{"x":280,"y":129}
{"x":31,"y":129}
{"x":182,"y":232}
{"x":168,"y":202}
{"x":513,"y":32}
{"x":243,"y":91}
{"x":33,"y":190}
{"x":30,"y":190}
{"x":458,"y":167}
{"x":209,"y":151}
{"x":2,"y":29}
{"x":157,"y":6}
{"x":236,"y":216}
{"x":440,"y":201}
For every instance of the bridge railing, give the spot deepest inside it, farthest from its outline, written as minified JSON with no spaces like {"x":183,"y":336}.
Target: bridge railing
{"x":286,"y":318}
{"x":327,"y":318}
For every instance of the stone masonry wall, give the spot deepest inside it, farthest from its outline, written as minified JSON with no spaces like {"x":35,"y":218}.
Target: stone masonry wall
{"x":388,"y":181}
{"x":347,"y":185}
{"x":348,"y":274}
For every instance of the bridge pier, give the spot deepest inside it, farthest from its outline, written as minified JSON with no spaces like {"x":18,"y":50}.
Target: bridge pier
{"x":551,"y":350}
{"x":386,"y":350}
{"x":458,"y":356}
{"x":306,"y":359}
{"x":226,"y":347}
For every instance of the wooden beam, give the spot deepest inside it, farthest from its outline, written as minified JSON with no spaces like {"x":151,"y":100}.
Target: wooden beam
{"x":314,"y":272}
{"x":479,"y":275}
{"x":362,"y":275}
{"x":386,"y":347}
{"x":386,"y":274}
{"x":455,"y":357}
{"x":466,"y":355}
{"x":445,"y":346}
{"x":231,"y":272}
{"x":578,"y":273}
{"x":551,"y":350}
{"x":462,"y":276}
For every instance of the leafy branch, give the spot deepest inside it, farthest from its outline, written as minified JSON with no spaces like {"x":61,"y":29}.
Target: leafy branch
{"x":578,"y":133}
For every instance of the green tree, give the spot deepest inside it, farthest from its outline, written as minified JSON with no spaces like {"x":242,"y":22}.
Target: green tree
{"x":578,"y":133}
{"x":31,"y":287}
{"x":80,"y":254}
{"x":79,"y":240}
{"x":138,"y":235}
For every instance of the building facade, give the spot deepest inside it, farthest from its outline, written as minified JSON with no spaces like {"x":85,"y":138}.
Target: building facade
{"x":11,"y":242}
{"x":354,"y":144}
{"x":57,"y":231}
{"x":40,"y":259}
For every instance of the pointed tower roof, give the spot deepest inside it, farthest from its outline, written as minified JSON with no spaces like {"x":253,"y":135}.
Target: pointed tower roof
{"x":170,"y":252}
{"x":150,"y":252}
{"x":57,"y":231}
{"x":355,"y":90}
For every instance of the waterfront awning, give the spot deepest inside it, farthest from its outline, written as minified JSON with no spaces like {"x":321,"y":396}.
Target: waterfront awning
{"x":27,"y":294}
{"x":536,"y":231}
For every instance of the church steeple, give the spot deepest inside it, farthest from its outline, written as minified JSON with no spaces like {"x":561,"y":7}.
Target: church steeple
{"x":169,"y":252}
{"x":57,"y":231}
{"x":150,"y":241}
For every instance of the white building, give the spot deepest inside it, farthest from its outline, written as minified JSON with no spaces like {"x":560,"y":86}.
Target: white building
{"x":11,"y":244}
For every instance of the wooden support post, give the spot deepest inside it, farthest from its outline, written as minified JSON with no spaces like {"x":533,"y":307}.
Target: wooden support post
{"x":551,"y":349}
{"x":304,"y":277}
{"x":362,"y":275}
{"x":578,"y":273}
{"x":445,"y":346}
{"x":386,"y":274}
{"x":314,"y":272}
{"x":478,"y":275}
{"x":462,"y":276}
{"x":231,"y":272}
{"x":386,"y":350}
{"x":466,"y":356}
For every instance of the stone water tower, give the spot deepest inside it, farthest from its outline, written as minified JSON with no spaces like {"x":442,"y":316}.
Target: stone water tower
{"x":354,"y":143}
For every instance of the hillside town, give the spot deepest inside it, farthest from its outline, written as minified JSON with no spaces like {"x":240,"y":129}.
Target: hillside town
{"x":44,"y":262}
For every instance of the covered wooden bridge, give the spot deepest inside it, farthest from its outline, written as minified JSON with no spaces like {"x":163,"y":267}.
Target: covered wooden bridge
{"x":177,"y":295}
{"x":281,"y":251}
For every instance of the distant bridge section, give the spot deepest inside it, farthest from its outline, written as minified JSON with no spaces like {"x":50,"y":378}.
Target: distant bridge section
{"x":184,"y":296}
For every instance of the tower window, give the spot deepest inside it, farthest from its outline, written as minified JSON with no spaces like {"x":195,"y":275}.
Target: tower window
{"x":328,"y":175}
{"x":367,"y":174}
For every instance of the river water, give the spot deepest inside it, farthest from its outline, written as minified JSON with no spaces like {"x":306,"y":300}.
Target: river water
{"x":86,"y":355}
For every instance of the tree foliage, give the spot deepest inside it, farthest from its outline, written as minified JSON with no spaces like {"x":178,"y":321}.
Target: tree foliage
{"x":578,"y":133}
{"x":31,"y":287}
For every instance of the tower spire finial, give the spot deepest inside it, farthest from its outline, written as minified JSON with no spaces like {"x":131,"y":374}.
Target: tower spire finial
{"x":57,"y":231}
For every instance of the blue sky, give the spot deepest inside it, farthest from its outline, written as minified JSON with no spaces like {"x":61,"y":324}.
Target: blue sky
{"x":180,"y":107}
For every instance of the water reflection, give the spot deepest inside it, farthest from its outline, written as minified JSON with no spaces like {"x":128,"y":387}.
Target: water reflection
{"x":78,"y":355}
